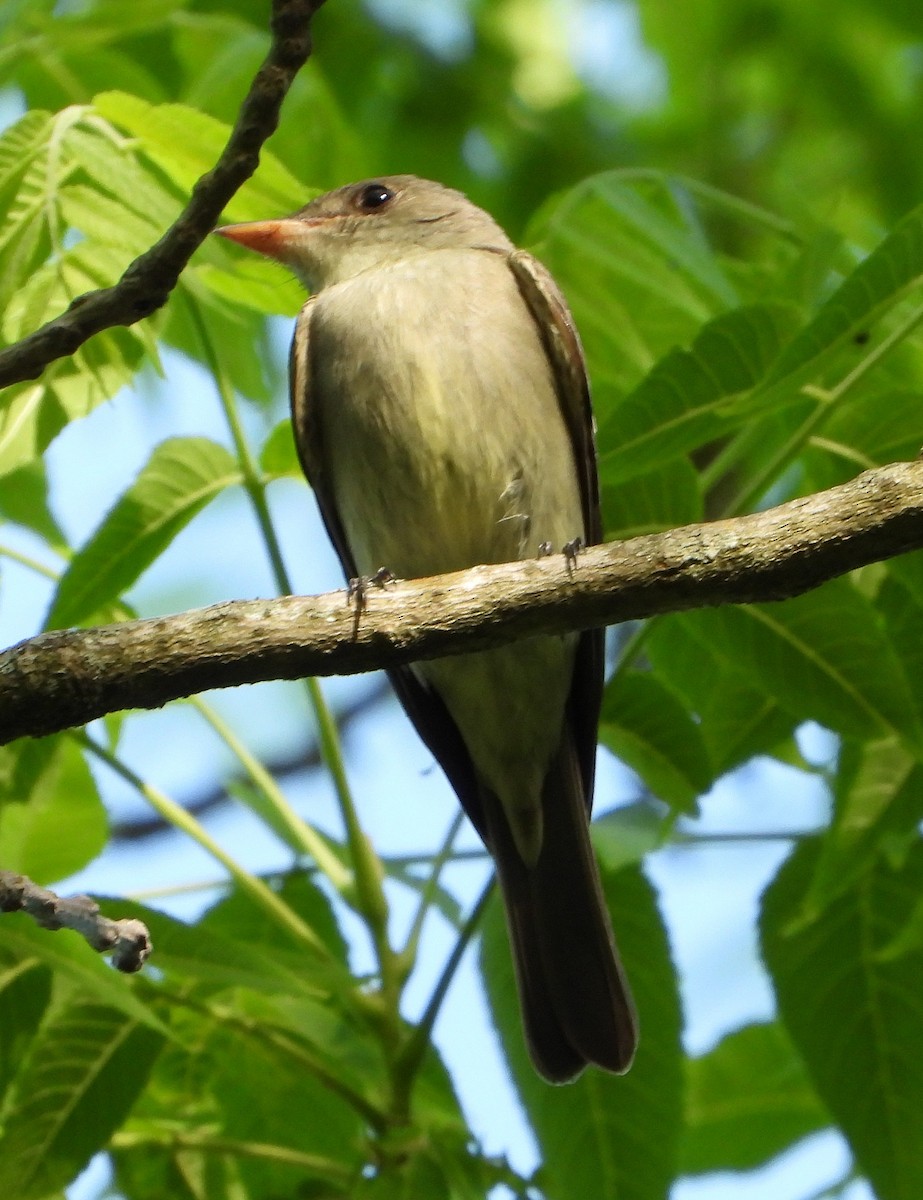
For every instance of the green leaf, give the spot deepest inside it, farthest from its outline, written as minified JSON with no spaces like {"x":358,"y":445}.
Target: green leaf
{"x":23,"y":235}
{"x":737,"y":719}
{"x":855,"y":1015}
{"x":908,"y":570}
{"x":645,"y":725}
{"x":469,"y":1176}
{"x":278,"y":457}
{"x":899,"y":599}
{"x":33,"y":414}
{"x":20,"y":143}
{"x":874,"y":427}
{"x":180,"y":478}
{"x":441,"y":1165}
{"x":638,"y":274}
{"x":204,"y":954}
{"x":878,"y":806}
{"x":59,"y":56}
{"x":220,"y":53}
{"x":63,"y":175}
{"x":612,"y":1138}
{"x":210,"y":329}
{"x":115,"y":167}
{"x":24,"y":501}
{"x":81,"y":176}
{"x":297,"y":1110}
{"x":245,"y":281}
{"x":419,"y":1175}
{"x":662,"y":498}
{"x":686,"y":400}
{"x":876,"y":284}
{"x":748,"y":1100}
{"x":106,"y":219}
{"x":237,"y":916}
{"x":185,"y":143}
{"x":822,"y":656}
{"x":644,"y":215}
{"x":25,"y":990}
{"x":79,"y":202}
{"x":157,"y":1170}
{"x":87,"y":1068}
{"x":625,"y":834}
{"x":52,"y":821}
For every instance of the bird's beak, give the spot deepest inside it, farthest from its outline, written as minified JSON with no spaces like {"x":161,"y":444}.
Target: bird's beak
{"x":276,"y":239}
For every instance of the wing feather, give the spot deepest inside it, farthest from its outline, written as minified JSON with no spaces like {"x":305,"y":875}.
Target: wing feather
{"x":562,"y":345}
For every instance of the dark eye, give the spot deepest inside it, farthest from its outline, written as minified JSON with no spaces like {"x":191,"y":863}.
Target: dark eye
{"x":372,"y":196}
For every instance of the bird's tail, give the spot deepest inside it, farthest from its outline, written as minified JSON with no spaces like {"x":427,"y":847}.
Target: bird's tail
{"x":575,"y":1001}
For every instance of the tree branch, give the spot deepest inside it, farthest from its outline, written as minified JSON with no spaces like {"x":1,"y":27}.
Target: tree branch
{"x":148,"y":281}
{"x":127,"y":941}
{"x":67,"y":677}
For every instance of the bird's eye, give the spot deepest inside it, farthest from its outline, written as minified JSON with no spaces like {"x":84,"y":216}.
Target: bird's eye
{"x":372,"y":196}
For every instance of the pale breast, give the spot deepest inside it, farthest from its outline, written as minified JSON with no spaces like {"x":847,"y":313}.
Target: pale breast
{"x":441,"y":429}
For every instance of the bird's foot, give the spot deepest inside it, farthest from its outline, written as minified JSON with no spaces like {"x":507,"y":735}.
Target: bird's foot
{"x":357,"y":588}
{"x":570,"y":550}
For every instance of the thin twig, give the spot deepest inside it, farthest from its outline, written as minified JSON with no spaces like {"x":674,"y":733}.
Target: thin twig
{"x":148,"y":281}
{"x":127,"y":940}
{"x":408,"y":1066}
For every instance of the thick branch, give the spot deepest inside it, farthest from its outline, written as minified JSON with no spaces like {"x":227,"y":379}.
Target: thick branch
{"x":148,"y":281}
{"x":68,"y":677}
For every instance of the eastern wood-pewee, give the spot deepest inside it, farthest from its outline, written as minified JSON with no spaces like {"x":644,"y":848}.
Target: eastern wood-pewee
{"x":442,"y":416}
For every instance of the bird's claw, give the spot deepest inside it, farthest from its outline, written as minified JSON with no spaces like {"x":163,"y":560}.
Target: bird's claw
{"x":357,"y":588}
{"x":570,"y":550}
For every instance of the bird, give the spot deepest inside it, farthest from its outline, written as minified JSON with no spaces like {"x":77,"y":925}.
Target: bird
{"x":441,"y":413}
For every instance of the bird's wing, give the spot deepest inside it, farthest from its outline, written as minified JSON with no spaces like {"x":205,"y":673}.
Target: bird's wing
{"x":421,"y":703}
{"x":562,"y":345}
{"x":309,"y":436}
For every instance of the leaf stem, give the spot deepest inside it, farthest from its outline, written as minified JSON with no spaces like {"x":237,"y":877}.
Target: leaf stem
{"x":26,"y":560}
{"x":717,"y":198}
{"x":290,"y":1048}
{"x":827,"y":401}
{"x":416,"y":1045}
{"x":393,"y":862}
{"x":443,"y":856}
{"x":206,"y":1142}
{"x":302,"y":835}
{"x":177,"y":816}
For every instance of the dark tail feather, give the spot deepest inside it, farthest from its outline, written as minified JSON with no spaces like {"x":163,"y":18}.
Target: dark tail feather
{"x":575,"y":1001}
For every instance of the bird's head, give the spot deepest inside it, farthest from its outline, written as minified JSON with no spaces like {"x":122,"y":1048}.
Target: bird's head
{"x":370,"y":224}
